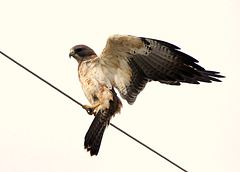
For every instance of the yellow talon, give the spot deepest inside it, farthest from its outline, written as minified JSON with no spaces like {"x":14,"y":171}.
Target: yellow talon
{"x":87,"y":106}
{"x":93,"y":107}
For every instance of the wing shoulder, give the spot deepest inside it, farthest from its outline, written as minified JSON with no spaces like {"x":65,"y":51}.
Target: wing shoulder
{"x":119,"y":46}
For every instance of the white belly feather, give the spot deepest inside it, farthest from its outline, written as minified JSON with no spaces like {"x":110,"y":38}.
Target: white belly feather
{"x":95,"y":85}
{"x":97,"y":78}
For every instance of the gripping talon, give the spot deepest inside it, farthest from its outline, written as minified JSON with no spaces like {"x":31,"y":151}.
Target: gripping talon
{"x":91,"y":109}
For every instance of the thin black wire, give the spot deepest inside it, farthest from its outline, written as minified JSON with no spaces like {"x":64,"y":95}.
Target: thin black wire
{"x":89,"y":112}
{"x":148,"y":147}
{"x":45,"y":81}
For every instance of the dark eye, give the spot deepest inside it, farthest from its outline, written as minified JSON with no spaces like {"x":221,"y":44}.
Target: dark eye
{"x":78,"y":50}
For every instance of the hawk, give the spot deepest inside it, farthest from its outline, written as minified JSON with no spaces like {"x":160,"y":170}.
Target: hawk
{"x":128,"y":63}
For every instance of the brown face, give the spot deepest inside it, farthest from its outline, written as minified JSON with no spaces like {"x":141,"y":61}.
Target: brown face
{"x":82,"y":52}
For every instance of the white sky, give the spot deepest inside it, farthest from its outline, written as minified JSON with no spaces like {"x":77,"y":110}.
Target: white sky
{"x":196,"y":126}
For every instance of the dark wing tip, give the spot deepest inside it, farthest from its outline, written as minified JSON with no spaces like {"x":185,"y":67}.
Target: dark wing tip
{"x":214,"y":73}
{"x":211,"y":76}
{"x":167,"y":64}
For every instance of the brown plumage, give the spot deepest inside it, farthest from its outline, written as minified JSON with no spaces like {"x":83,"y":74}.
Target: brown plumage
{"x":128,"y":63}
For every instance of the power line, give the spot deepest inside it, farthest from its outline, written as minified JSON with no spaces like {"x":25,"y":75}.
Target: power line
{"x":45,"y":81}
{"x":147,"y":147}
{"x":89,"y":111}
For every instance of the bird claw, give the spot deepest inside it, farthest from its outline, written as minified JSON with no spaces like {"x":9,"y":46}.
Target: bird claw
{"x":90,"y":111}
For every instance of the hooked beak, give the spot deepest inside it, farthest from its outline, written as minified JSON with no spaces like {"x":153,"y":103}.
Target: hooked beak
{"x":71,"y":53}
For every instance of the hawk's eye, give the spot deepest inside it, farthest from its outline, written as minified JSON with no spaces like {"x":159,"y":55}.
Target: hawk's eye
{"x":78,"y":50}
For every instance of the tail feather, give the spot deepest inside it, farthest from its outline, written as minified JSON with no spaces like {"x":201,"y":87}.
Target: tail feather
{"x":95,"y":132}
{"x":94,"y":135}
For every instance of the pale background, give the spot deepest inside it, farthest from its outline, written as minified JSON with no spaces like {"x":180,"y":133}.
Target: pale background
{"x":196,"y":126}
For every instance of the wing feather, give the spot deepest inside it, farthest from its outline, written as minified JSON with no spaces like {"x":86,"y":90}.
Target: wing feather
{"x":137,"y":84}
{"x":141,"y":60}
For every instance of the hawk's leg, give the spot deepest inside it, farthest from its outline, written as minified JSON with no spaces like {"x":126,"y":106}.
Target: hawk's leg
{"x":92,"y":108}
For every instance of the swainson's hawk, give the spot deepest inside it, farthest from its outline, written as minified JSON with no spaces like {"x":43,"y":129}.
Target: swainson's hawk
{"x":128,"y":63}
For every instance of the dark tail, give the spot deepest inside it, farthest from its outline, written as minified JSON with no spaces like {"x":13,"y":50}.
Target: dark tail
{"x":94,"y":135}
{"x":95,"y":132}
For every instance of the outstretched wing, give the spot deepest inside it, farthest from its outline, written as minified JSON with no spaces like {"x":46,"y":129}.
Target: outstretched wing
{"x":134,"y":61}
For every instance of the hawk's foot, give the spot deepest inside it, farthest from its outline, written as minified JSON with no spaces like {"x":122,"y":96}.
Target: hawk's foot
{"x":91,"y":109}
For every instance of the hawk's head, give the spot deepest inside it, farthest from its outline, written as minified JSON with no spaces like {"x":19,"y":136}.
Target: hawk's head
{"x":82,"y":53}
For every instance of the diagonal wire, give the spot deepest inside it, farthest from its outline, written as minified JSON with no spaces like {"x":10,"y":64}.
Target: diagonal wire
{"x":147,"y":147}
{"x":89,"y":111}
{"x":45,"y":81}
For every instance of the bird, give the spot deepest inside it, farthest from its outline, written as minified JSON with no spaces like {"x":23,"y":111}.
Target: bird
{"x":127,"y":63}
